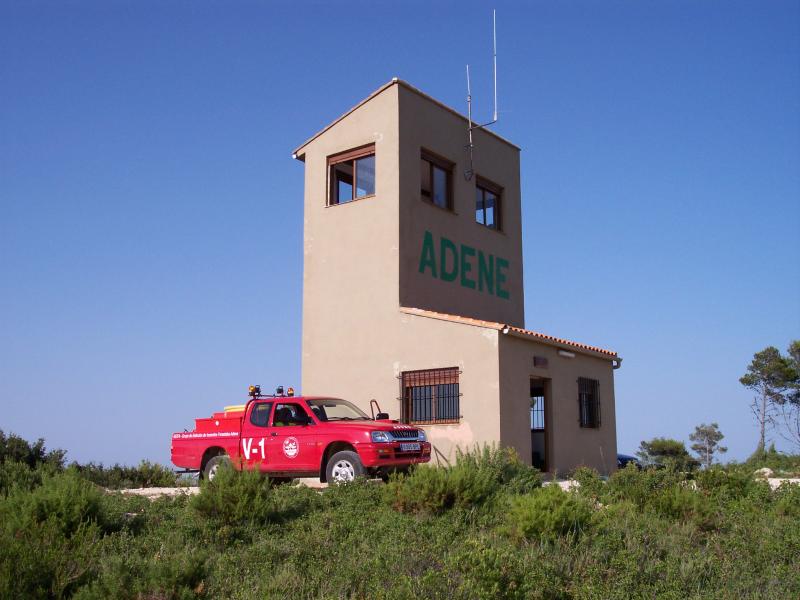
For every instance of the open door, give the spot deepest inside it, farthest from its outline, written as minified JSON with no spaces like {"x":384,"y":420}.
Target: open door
{"x":539,"y":413}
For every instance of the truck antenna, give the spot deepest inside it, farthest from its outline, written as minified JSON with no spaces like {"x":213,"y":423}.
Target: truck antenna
{"x":470,"y":146}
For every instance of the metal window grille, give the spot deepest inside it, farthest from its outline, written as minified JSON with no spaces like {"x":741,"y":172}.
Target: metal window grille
{"x":589,"y":402}
{"x":431,"y":396}
{"x":537,"y":413}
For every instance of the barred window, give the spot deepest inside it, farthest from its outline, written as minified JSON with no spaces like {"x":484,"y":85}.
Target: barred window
{"x":431,"y":396}
{"x":589,"y":402}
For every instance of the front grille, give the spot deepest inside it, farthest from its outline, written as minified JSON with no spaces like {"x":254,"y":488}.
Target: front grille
{"x":404,"y":434}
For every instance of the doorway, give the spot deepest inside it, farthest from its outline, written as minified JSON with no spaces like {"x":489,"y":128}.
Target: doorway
{"x":539,"y":417}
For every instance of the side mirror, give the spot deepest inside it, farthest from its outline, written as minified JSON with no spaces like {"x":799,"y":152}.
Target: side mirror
{"x":382,"y":416}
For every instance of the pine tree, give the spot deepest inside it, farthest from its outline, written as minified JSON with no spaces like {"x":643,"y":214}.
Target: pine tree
{"x":706,"y":440}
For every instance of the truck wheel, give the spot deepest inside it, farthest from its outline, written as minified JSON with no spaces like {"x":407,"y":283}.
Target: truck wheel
{"x":214,"y":464}
{"x":344,"y":467}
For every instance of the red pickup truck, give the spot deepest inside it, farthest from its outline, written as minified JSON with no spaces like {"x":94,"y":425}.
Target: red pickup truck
{"x":286,"y":437}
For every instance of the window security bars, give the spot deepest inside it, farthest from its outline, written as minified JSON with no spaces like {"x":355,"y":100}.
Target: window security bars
{"x":431,"y":396}
{"x":589,"y":402}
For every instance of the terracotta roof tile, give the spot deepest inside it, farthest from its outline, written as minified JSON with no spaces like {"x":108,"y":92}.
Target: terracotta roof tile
{"x":502,"y":326}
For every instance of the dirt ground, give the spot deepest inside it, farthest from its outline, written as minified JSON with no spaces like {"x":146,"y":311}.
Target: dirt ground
{"x":313,"y":482}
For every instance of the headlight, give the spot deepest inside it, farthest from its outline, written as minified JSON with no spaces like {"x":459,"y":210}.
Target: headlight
{"x":380,"y":436}
{"x":421,"y":435}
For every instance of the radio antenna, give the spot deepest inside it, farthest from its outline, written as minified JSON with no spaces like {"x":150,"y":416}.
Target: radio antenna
{"x":470,"y":146}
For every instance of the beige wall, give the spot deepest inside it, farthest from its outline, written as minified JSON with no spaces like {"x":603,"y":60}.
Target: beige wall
{"x":427,"y":125}
{"x":570,"y":445}
{"x":361,"y":264}
{"x":356,"y":342}
{"x":350,"y":251}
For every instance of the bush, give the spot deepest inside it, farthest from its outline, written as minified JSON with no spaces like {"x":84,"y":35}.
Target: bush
{"x":14,"y":474}
{"x":787,"y":465}
{"x":475,"y":477}
{"x":547,"y":514}
{"x":247,"y":497}
{"x":727,"y":484}
{"x":15,"y":449}
{"x":637,"y":486}
{"x":117,"y":477}
{"x":590,"y":485}
{"x":49,"y":536}
{"x":64,"y":500}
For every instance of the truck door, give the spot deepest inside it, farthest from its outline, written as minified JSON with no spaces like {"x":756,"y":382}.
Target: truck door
{"x":293,"y":439}
{"x":255,"y":436}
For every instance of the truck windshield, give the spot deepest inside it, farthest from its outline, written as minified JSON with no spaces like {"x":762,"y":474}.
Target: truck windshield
{"x":333,"y":409}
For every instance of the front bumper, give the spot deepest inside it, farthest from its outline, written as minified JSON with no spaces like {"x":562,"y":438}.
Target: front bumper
{"x":389,"y":454}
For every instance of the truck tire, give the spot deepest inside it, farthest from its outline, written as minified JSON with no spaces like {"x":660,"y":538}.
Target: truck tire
{"x":214,"y":464}
{"x":344,"y":467}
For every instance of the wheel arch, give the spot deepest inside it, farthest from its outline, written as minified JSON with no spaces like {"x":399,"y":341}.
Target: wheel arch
{"x":330,"y":450}
{"x":210,"y":453}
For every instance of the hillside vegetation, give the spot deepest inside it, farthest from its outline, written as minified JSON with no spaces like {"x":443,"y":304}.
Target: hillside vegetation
{"x":485,"y":528}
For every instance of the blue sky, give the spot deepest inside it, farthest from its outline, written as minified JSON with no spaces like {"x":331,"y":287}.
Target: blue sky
{"x":151,"y":215}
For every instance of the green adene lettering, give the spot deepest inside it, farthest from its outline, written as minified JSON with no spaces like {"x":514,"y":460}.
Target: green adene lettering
{"x":448,"y":246}
{"x":500,"y":278}
{"x":461,"y":262}
{"x":466,"y":267}
{"x":486,"y":272}
{"x":428,"y":257}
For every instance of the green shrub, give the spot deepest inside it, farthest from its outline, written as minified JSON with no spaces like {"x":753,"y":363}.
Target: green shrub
{"x":15,"y":449}
{"x":726,"y":484}
{"x":473,"y":479}
{"x":49,"y":536}
{"x":637,"y":486}
{"x":15,"y":474}
{"x":174,"y":571}
{"x":787,"y":501}
{"x":116,"y":477}
{"x":247,"y":497}
{"x":787,"y":465}
{"x":547,"y":514}
{"x":64,"y":500}
{"x":682,"y":503}
{"x":590,"y":484}
{"x":39,"y":561}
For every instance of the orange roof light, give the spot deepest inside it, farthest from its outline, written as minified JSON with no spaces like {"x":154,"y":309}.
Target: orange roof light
{"x":290,"y":391}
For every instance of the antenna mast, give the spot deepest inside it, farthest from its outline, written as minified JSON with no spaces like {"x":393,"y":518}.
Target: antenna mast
{"x":470,"y":172}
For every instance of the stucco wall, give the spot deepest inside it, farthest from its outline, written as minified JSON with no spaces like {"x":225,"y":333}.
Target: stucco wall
{"x":426,"y":125}
{"x":361,"y":264}
{"x":409,"y":343}
{"x":570,"y":445}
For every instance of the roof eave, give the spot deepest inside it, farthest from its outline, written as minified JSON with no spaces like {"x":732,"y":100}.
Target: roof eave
{"x":299,"y":152}
{"x":606,"y":355}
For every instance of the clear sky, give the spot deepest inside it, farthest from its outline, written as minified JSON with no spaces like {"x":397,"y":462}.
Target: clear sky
{"x":151,"y":214}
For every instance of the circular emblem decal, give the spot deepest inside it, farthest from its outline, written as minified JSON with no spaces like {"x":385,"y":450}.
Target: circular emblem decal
{"x":291,"y":447}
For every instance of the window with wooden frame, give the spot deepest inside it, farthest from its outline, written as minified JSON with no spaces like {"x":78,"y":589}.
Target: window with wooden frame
{"x":589,"y":402}
{"x":431,"y":396}
{"x":436,"y":180}
{"x":351,"y":175}
{"x":488,"y":203}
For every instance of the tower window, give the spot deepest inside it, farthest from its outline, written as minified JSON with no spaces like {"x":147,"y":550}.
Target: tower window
{"x":352,"y":175}
{"x":487,"y":204}
{"x":436,"y":180}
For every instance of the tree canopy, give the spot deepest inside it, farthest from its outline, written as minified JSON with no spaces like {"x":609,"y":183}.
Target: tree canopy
{"x":666,"y":453}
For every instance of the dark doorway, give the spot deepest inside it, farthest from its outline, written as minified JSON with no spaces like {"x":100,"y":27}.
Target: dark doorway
{"x":539,"y":411}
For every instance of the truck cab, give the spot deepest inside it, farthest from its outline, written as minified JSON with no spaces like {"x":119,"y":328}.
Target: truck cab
{"x":287,"y":436}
